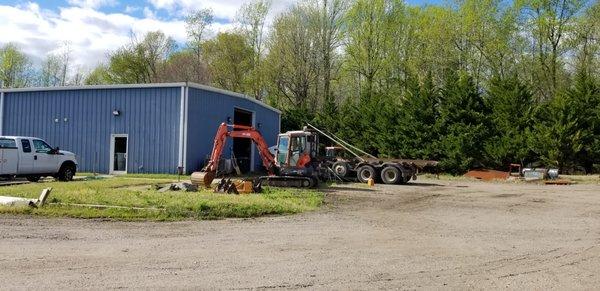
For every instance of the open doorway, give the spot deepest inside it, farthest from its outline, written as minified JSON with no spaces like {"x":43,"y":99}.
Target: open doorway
{"x":118,"y":153}
{"x":242,"y":147}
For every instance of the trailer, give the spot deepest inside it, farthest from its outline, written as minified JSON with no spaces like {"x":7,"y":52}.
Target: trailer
{"x":364,"y":167}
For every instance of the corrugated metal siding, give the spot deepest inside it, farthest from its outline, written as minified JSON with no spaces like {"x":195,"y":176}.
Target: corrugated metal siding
{"x":207,"y":110}
{"x":150,"y":116}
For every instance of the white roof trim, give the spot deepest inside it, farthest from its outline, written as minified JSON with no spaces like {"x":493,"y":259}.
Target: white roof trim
{"x":233,"y":94}
{"x":133,"y":86}
{"x":92,"y":87}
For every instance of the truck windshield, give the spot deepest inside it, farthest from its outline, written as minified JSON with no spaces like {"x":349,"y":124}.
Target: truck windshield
{"x":7,"y":143}
{"x":40,"y":146}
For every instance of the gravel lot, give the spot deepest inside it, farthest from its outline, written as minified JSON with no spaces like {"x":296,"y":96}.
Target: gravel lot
{"x":431,"y":234}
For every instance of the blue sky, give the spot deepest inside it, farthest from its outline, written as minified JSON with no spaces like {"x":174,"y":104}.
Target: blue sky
{"x":90,"y":29}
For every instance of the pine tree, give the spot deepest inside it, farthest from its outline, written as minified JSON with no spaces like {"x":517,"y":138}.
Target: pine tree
{"x":511,"y":114}
{"x":415,"y":131}
{"x":462,"y":124}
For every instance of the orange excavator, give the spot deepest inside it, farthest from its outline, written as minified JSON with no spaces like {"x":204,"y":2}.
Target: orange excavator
{"x":295,"y":163}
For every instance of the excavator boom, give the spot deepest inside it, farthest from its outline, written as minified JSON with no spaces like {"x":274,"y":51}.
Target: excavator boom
{"x":208,"y":173}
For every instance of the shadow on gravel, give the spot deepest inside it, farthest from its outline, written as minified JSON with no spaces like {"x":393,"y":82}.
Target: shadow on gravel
{"x":424,"y":184}
{"x":346,"y":188}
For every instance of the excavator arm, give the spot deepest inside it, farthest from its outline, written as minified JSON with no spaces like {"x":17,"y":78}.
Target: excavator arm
{"x":208,"y":173}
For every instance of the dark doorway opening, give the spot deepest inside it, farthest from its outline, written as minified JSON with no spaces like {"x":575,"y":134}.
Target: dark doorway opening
{"x":242,"y":147}
{"x":119,"y":154}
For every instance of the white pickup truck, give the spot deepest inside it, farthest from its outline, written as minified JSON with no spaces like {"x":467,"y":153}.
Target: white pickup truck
{"x":33,"y":158}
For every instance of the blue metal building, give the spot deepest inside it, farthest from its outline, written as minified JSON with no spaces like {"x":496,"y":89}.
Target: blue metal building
{"x":149,"y":128}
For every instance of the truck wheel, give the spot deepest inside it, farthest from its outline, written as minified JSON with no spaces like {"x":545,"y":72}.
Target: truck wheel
{"x":341,"y":168}
{"x":364,"y":173}
{"x":66,"y":173}
{"x":391,"y":175}
{"x":314,"y":182}
{"x":33,"y":179}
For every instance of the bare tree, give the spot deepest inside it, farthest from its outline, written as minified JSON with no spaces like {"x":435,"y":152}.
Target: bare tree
{"x":252,"y":17}
{"x":197,"y":25}
{"x":551,"y":22}
{"x":328,"y":22}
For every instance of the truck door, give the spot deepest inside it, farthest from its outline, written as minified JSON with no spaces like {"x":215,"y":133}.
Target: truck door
{"x":9,"y":156}
{"x":44,"y":161}
{"x":25,"y":157}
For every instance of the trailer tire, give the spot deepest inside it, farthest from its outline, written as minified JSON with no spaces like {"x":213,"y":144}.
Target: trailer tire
{"x":406,"y":176}
{"x":341,"y":168}
{"x":33,"y":179}
{"x":391,"y":175}
{"x":364,"y":173}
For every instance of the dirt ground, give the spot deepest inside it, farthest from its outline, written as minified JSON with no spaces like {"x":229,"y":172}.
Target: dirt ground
{"x":431,"y":234}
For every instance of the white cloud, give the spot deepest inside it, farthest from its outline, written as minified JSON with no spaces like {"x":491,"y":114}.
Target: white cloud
{"x":148,"y":13}
{"x":92,"y":3}
{"x":223,"y":9}
{"x":132,"y":9}
{"x":90,"y":34}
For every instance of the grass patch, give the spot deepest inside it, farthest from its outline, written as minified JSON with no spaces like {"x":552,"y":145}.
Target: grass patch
{"x":582,"y":179}
{"x":138,"y":192}
{"x":143,"y":176}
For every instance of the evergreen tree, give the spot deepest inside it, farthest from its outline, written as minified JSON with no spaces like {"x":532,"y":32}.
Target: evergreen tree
{"x":511,"y":114}
{"x":462,"y":124}
{"x":557,"y":136}
{"x":415,"y":131}
{"x":585,"y":100}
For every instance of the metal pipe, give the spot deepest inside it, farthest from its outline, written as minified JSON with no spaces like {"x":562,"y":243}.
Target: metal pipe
{"x":337,"y":142}
{"x":353,"y":147}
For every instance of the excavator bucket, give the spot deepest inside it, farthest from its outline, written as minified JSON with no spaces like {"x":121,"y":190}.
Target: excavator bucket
{"x":203,"y":178}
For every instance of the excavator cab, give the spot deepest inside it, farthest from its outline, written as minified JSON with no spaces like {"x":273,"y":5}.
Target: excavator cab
{"x":296,"y":149}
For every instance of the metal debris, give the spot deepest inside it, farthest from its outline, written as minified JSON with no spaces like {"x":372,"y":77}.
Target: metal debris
{"x":18,"y":201}
{"x":186,"y":187}
{"x":230,"y":186}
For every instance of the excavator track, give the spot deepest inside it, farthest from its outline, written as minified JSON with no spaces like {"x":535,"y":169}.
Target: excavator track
{"x":288,"y":181}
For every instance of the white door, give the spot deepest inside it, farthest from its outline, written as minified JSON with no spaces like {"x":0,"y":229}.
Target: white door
{"x":9,"y":156}
{"x":26,"y":156}
{"x":44,"y":160}
{"x":118,"y":153}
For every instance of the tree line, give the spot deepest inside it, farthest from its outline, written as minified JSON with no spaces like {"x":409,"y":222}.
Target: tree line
{"x":470,"y":83}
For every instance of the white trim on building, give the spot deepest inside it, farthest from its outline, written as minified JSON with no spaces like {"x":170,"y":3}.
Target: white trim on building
{"x":182,"y":126}
{"x":185,"y":129}
{"x":134,"y":86}
{"x":1,"y":112}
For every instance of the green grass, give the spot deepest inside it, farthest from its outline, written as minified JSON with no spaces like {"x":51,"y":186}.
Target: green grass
{"x":582,"y":179}
{"x":139,"y":192}
{"x":145,"y":176}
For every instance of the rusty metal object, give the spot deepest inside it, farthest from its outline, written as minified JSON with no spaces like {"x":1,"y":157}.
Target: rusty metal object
{"x":558,"y":182}
{"x":230,"y":186}
{"x":487,"y":175}
{"x":203,"y":178}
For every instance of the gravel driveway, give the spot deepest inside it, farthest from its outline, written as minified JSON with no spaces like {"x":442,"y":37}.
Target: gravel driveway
{"x":430,"y":234}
